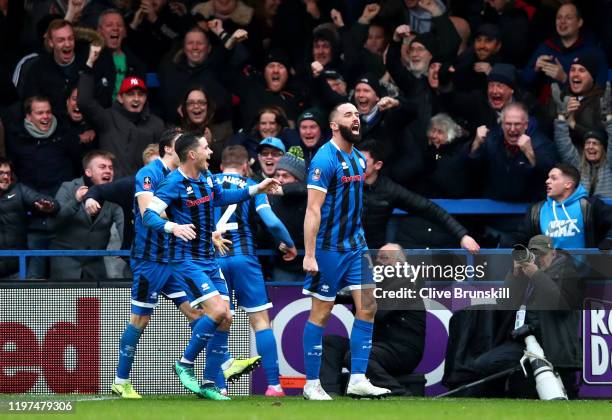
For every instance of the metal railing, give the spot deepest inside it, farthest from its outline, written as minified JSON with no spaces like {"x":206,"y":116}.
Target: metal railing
{"x":453,"y":206}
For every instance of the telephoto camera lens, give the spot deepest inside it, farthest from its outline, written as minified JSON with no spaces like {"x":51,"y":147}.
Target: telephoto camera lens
{"x":521,"y":254}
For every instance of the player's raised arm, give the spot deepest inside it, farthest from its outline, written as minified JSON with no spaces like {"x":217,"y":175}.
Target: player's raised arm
{"x":225,"y":197}
{"x":275,"y":226}
{"x":312,"y":221}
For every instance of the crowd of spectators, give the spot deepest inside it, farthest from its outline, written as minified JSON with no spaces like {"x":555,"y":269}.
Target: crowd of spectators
{"x":459,"y":99}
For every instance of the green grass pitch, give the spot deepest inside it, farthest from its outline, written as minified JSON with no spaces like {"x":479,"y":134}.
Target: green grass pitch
{"x":154,"y":407}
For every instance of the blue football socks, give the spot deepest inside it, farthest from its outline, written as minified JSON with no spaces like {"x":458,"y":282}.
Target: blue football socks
{"x":266,"y":347}
{"x":216,"y":353}
{"x":313,"y":347}
{"x":127,"y":349}
{"x":203,"y":330}
{"x":361,"y":344}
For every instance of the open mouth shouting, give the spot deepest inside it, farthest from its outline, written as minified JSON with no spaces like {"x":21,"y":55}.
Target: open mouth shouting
{"x":576,"y":84}
{"x":496,"y":100}
{"x":593,"y":150}
{"x":363,"y":105}
{"x":135,"y":105}
{"x":580,"y":80}
{"x":275,"y":81}
{"x":44,"y":124}
{"x":75,"y":113}
{"x":197,"y":115}
{"x":268,"y":165}
{"x":114,"y":40}
{"x":66,"y":54}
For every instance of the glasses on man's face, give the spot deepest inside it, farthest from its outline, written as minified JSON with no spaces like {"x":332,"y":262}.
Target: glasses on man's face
{"x":5,"y":173}
{"x":271,"y":153}
{"x":198,"y":103}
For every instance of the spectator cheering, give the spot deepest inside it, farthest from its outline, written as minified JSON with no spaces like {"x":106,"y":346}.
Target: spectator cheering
{"x":15,"y":201}
{"x":128,"y":126}
{"x":75,"y":229}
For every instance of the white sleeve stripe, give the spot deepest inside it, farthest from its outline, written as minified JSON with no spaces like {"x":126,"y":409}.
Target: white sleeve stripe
{"x":261,"y":206}
{"x":316,"y":187}
{"x":143,"y":193}
{"x":157,"y":205}
{"x":143,"y":304}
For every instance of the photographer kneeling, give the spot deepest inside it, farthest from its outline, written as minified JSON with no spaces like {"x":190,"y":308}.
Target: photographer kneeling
{"x":546,"y":282}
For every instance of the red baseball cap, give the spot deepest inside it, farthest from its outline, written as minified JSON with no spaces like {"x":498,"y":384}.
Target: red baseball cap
{"x":130,"y":83}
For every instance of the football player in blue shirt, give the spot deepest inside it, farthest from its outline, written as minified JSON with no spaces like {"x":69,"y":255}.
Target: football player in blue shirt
{"x":332,"y":227}
{"x":187,"y":196}
{"x":240,"y":264}
{"x":148,"y":261}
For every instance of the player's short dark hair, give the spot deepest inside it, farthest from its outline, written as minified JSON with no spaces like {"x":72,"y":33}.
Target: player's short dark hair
{"x":27,"y":104}
{"x":373,"y":147}
{"x":234,"y":156}
{"x":185,"y":143}
{"x":166,"y":139}
{"x":569,"y":171}
{"x":94,"y":154}
{"x":334,"y":112}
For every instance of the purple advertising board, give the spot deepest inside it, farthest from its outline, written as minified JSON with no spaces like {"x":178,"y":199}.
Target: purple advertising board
{"x":597,"y":345}
{"x":290,"y":313}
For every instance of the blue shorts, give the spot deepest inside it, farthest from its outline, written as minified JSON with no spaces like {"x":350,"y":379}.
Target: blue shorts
{"x":201,"y":280}
{"x":243,"y":276}
{"x":150,"y":280}
{"x":337,"y":270}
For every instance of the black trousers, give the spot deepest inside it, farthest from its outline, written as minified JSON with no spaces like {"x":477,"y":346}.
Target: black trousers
{"x":382,"y":368}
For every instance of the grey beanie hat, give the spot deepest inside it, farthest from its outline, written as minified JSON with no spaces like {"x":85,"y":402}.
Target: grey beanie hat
{"x":294,"y":165}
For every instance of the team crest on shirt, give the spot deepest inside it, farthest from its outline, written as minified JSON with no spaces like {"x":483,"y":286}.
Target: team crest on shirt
{"x":209,"y":182}
{"x":344,"y":165}
{"x":316,"y":174}
{"x":147,"y":183}
{"x":362,"y":163}
{"x":189,"y":189}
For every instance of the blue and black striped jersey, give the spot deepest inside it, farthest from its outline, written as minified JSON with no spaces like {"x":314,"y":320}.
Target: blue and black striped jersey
{"x":237,"y":221}
{"x":190,"y":201}
{"x":149,"y":244}
{"x":341,"y":176}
